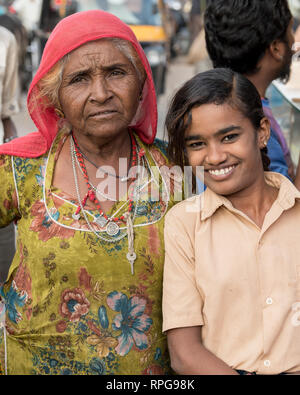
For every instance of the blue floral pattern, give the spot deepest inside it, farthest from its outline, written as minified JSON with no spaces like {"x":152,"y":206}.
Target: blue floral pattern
{"x":12,"y":299}
{"x":132,"y":322}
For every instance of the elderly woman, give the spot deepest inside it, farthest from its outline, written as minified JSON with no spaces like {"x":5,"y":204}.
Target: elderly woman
{"x":83,"y":294}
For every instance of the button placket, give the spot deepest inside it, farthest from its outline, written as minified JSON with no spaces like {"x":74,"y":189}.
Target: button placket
{"x":269,"y":301}
{"x":267,"y":363}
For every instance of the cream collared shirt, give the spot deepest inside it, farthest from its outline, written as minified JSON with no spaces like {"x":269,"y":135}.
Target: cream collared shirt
{"x":240,"y":283}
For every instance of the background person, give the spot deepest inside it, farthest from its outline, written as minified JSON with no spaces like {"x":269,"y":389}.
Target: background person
{"x":255,"y":39}
{"x":29,"y":12}
{"x":295,"y":9}
{"x":229,"y":310}
{"x":196,"y":18}
{"x":9,"y":105}
{"x":12,"y":23}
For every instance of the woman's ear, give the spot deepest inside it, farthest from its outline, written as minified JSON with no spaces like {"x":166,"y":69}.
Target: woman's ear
{"x":141,"y":95}
{"x":264,"y":133}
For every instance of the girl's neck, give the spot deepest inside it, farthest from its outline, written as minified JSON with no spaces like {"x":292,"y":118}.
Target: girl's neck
{"x":255,"y":201}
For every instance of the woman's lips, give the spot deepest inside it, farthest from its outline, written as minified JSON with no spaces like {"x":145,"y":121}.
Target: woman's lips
{"x":102,"y":114}
{"x":221,"y":174}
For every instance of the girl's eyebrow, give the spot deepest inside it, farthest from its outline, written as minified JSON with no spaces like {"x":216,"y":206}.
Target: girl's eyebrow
{"x":218,"y":133}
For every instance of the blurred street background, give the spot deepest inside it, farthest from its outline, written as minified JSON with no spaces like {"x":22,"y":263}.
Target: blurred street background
{"x":171,"y":34}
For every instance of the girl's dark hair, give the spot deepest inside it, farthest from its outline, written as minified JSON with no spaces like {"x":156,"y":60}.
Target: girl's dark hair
{"x":218,"y":86}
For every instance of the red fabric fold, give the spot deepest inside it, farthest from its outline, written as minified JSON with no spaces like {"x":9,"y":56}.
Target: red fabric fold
{"x":68,"y":35}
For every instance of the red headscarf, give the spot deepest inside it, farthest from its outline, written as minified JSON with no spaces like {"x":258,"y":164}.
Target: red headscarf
{"x":71,"y":33}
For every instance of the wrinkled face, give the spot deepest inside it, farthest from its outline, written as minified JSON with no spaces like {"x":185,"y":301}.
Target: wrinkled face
{"x":226,"y":144}
{"x":100,"y":90}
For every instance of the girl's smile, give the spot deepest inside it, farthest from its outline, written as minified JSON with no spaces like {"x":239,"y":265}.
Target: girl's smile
{"x":226,"y":144}
{"x":221,"y":173}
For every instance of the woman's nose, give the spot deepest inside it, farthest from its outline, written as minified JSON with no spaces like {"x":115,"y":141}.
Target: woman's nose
{"x":100,"y":91}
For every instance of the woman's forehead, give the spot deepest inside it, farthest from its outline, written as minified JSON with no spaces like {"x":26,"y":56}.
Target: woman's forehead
{"x":99,"y":53}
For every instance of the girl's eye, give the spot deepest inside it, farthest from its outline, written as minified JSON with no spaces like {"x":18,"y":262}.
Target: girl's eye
{"x":196,"y":145}
{"x":230,"y":138}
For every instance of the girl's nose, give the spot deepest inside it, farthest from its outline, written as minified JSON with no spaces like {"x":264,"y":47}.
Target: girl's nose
{"x":215,"y":155}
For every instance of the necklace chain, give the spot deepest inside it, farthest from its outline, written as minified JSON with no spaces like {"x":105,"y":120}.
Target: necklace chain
{"x":91,"y":194}
{"x":97,"y":234}
{"x":93,"y":186}
{"x":123,"y":178}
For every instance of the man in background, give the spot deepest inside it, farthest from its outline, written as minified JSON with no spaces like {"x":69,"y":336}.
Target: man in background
{"x":29,"y":12}
{"x":196,"y":18}
{"x":255,"y":39}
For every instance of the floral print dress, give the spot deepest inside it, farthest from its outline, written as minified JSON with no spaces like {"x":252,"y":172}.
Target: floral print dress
{"x":70,"y":304}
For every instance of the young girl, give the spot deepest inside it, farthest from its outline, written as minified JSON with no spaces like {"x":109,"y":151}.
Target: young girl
{"x":231,"y":297}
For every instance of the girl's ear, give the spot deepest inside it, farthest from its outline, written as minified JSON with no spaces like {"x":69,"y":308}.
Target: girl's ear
{"x":264,"y":132}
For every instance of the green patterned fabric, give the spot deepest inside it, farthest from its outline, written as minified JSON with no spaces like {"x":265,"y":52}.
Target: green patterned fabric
{"x":71,"y":304}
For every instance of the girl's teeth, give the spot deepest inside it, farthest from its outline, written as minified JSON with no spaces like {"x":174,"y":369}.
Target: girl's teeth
{"x":221,"y":172}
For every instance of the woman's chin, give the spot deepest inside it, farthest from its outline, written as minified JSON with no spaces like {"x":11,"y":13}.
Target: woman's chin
{"x":107,"y":131}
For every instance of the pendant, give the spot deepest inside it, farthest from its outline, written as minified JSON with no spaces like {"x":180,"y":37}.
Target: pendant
{"x":131,"y":258}
{"x":142,"y":210}
{"x":76,"y":216}
{"x":100,"y":221}
{"x":124,"y":179}
{"x":112,"y":229}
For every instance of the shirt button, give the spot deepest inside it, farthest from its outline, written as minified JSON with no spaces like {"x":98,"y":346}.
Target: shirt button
{"x":269,"y":301}
{"x":267,"y":363}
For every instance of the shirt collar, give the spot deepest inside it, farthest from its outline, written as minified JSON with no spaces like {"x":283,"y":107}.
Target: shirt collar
{"x":287,"y":196}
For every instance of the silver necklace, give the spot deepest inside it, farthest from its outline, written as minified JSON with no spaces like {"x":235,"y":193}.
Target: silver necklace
{"x":95,"y":189}
{"x":112,"y":229}
{"x":121,"y":178}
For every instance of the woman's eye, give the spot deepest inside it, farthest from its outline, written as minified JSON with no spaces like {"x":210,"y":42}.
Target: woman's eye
{"x":78,"y":78}
{"x":230,"y":137}
{"x":117,"y":73}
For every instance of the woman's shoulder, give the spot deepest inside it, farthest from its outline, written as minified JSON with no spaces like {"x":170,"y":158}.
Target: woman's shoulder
{"x":161,"y":145}
{"x":25,"y":168}
{"x":6,"y":169}
{"x":159,"y":152}
{"x":23,"y":164}
{"x":5,"y":160}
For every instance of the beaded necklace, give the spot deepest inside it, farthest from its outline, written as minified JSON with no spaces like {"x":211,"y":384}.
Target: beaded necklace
{"x":131,"y":255}
{"x":122,"y":178}
{"x":112,"y":227}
